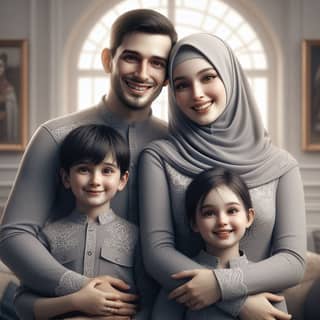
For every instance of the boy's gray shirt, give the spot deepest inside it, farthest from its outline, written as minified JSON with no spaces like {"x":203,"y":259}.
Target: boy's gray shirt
{"x":37,"y":195}
{"x":107,"y":246}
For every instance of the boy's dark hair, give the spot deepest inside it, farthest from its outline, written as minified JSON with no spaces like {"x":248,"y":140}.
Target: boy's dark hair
{"x":210,"y":179}
{"x":140,"y":20}
{"x":92,"y":143}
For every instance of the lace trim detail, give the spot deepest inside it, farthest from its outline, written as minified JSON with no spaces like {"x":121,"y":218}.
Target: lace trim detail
{"x":177,"y":178}
{"x":62,"y":235}
{"x":70,"y":282}
{"x":231,"y":282}
{"x":121,"y":236}
{"x":60,"y":132}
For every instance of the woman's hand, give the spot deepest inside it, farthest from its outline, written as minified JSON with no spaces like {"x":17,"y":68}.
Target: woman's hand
{"x":199,"y":292}
{"x":259,"y":307}
{"x":93,"y":301}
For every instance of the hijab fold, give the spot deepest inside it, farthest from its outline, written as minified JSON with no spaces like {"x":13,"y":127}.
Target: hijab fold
{"x":236,"y":140}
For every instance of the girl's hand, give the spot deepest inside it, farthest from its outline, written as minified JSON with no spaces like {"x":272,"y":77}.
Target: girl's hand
{"x":93,"y":301}
{"x":199,"y":292}
{"x":259,"y":307}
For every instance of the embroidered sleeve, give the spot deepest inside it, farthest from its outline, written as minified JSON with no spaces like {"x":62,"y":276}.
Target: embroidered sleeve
{"x":231,"y":282}
{"x":70,"y":282}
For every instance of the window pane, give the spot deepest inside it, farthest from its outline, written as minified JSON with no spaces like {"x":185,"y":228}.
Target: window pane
{"x":259,"y":87}
{"x":90,"y":91}
{"x":84,"y":93}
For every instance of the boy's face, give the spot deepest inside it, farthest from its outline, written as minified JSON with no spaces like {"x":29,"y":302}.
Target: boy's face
{"x":138,"y":69}
{"x":94,"y":185}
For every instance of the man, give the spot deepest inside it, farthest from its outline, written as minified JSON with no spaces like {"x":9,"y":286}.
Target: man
{"x":140,"y":44}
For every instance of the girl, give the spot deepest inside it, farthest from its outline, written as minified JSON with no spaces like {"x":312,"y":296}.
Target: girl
{"x":219,"y":208}
{"x":214,"y":122}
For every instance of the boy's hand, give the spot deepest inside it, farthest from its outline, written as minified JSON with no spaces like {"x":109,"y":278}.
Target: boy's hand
{"x":93,"y":301}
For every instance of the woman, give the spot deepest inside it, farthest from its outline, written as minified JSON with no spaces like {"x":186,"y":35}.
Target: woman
{"x":214,"y":122}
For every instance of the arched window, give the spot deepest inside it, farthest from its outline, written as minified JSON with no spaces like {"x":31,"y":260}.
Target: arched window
{"x":213,"y":16}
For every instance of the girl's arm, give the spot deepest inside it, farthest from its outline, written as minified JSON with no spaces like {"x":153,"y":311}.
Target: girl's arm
{"x":285,"y":267}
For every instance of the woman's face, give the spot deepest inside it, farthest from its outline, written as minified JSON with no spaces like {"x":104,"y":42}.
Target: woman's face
{"x":199,"y":92}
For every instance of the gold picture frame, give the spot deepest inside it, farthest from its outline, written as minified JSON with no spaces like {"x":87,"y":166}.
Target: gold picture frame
{"x":311,"y":95}
{"x":13,"y":94}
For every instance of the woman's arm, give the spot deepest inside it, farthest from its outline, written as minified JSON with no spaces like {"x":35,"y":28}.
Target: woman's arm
{"x":156,"y":226}
{"x":285,"y":267}
{"x":161,"y":258}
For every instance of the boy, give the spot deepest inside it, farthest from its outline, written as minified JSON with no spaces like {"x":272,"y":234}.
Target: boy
{"x":92,"y":240}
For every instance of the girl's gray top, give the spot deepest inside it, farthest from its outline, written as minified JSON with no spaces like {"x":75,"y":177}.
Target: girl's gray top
{"x":237,"y":141}
{"x":38,"y":194}
{"x":226,"y":310}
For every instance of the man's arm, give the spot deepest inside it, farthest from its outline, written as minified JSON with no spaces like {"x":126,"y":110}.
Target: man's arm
{"x":28,"y":207}
{"x":88,"y":300}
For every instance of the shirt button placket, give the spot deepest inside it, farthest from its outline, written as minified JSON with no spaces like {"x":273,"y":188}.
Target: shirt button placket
{"x":89,"y":257}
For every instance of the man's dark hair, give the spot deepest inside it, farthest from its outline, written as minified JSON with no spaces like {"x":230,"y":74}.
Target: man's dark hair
{"x":91,"y":144}
{"x":140,"y":20}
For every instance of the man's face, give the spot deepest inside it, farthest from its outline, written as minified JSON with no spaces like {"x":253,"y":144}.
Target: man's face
{"x":138,"y":70}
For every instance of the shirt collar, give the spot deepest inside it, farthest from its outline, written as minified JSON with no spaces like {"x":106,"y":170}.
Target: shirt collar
{"x":103,"y":218}
{"x":207,"y":259}
{"x":110,"y":117}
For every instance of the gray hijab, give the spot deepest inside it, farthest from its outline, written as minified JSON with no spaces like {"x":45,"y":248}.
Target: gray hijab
{"x":236,"y":140}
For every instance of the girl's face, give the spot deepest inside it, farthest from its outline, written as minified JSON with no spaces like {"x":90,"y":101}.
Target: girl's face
{"x":222,"y":220}
{"x":199,"y":92}
{"x":94,"y":185}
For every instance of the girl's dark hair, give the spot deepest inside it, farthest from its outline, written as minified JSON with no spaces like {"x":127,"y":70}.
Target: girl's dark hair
{"x":140,"y":20}
{"x":210,"y":179}
{"x":92,"y":143}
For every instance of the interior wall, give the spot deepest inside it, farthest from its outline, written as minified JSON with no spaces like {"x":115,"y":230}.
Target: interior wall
{"x":50,"y":24}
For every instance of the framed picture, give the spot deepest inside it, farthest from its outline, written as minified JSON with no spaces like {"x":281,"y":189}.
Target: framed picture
{"x":311,"y":95}
{"x":13,"y":94}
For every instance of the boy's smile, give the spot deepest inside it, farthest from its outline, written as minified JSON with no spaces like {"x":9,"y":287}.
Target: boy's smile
{"x":94,"y":185}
